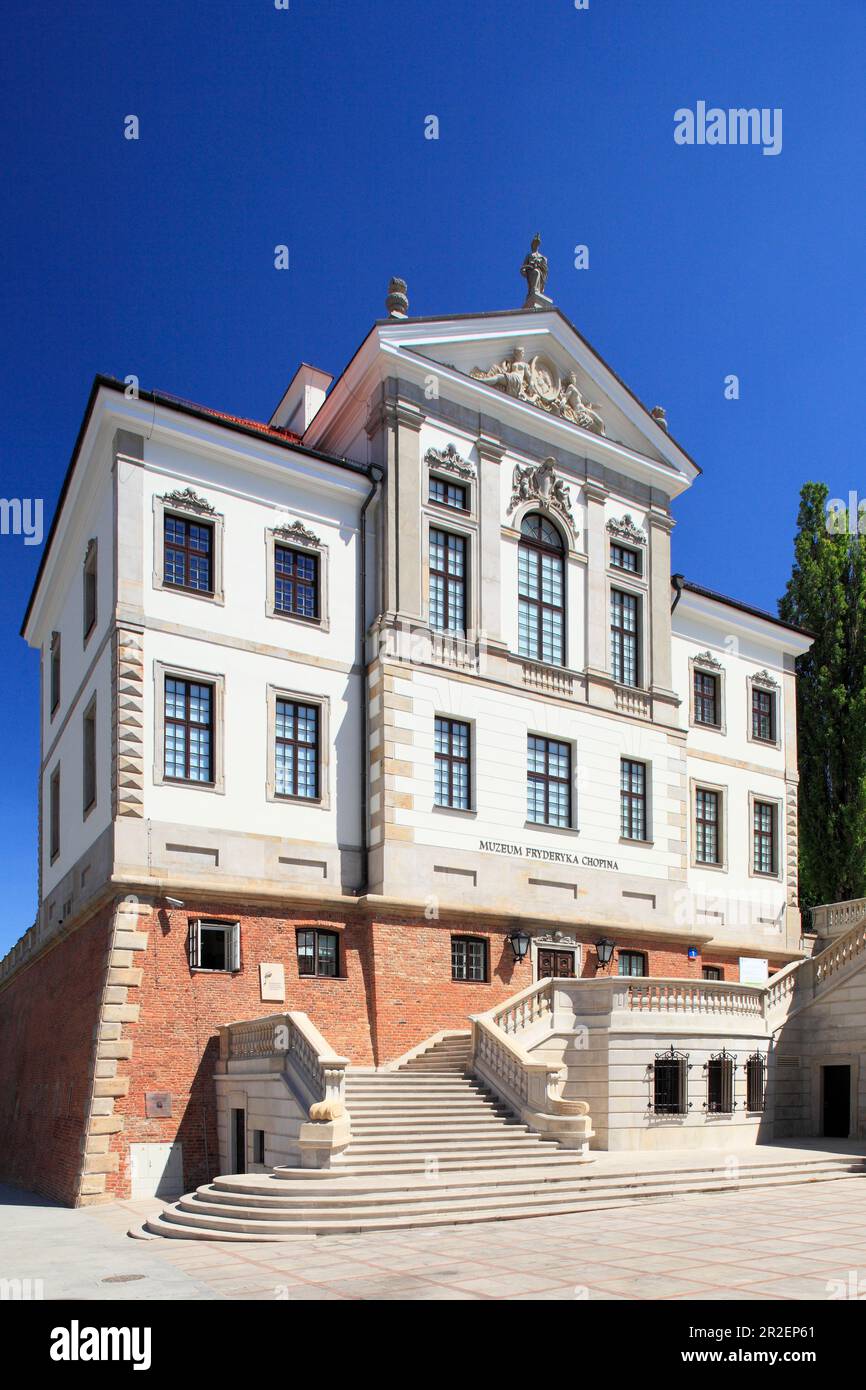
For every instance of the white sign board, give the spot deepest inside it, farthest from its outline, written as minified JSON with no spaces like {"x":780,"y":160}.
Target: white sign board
{"x":754,"y":970}
{"x":272,"y":977}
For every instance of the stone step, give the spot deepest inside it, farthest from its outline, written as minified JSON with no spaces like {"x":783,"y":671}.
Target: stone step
{"x":178,"y":1223}
{"x":501,"y":1141}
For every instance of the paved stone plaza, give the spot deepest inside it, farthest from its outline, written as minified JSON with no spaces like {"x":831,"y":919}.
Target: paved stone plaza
{"x":787,"y":1243}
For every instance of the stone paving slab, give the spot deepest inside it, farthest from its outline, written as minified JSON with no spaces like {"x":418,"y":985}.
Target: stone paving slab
{"x":786,"y":1244}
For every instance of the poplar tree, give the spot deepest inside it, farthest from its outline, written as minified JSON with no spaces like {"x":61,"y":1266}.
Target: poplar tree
{"x":826,"y":594}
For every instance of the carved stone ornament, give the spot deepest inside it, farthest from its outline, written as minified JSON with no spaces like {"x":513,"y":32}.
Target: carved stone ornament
{"x":397,"y":299}
{"x":707,"y":659}
{"x":534,"y":272}
{"x":539,"y":383}
{"x":557,"y":938}
{"x":540,"y":484}
{"x":627,"y":530}
{"x":449,"y":460}
{"x":295,"y":531}
{"x":189,"y":501}
{"x":765,"y":679}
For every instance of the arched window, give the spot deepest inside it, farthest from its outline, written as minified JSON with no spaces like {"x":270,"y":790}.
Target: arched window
{"x":540,"y":590}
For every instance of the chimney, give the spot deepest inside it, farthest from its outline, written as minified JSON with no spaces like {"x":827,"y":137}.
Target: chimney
{"x":303,"y":398}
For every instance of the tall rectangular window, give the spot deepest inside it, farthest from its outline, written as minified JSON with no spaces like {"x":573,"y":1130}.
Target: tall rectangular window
{"x":755,"y":1083}
{"x":624,"y":637}
{"x":89,"y":756}
{"x":447,"y":581}
{"x":708,"y":840}
{"x":296,"y":752}
{"x":548,"y":791}
{"x":632,"y":800}
{"x":448,"y":494}
{"x":189,"y":730}
{"x":188,"y":554}
{"x":540,"y":591}
{"x":54,"y":814}
{"x":296,"y":582}
{"x":451,"y":740}
{"x":720,"y":1083}
{"x":763,"y":715}
{"x":468,"y":958}
{"x":90,"y":589}
{"x":706,"y":699}
{"x":671,"y":1083}
{"x":54,"y":672}
{"x":764,"y":838}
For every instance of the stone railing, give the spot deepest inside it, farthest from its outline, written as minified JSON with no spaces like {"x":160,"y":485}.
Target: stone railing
{"x":447,"y":649}
{"x":532,"y":1005}
{"x":840,"y":954}
{"x":550,"y":679}
{"x":677,"y":996}
{"x":836,"y":919}
{"x":290,"y":1042}
{"x":628,"y":700}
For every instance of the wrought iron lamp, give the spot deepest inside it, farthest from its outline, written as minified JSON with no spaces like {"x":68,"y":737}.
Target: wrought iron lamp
{"x":604,"y":950}
{"x":520,"y":943}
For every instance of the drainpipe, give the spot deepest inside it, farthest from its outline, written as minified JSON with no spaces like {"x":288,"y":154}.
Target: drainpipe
{"x":678,"y":580}
{"x":375,"y":474}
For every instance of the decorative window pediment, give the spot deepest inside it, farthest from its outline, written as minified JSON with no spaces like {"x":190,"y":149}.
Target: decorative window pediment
{"x":627,"y":530}
{"x":540,"y":484}
{"x":188,"y":500}
{"x":764,"y":679}
{"x":707,"y":661}
{"x":450,"y":460}
{"x":297,"y":534}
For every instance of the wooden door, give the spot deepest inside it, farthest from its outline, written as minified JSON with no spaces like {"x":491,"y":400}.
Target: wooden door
{"x":555,"y":963}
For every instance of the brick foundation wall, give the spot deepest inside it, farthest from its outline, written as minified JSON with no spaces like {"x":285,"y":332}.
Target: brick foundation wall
{"x":157,"y":1020}
{"x":48,"y":1018}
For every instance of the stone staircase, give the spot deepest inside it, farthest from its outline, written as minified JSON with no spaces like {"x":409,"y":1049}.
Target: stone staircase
{"x":431,"y":1147}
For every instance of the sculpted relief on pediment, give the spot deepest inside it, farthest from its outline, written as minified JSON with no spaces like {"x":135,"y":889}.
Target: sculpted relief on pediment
{"x":539,"y":383}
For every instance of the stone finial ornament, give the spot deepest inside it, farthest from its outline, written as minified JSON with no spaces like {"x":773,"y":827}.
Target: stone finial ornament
{"x":397,"y":301}
{"x":534,"y":272}
{"x":660,"y":416}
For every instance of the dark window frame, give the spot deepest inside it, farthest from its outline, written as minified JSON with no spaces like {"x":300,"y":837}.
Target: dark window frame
{"x":720,"y":1068}
{"x":538,"y":549}
{"x":259,"y":1146}
{"x":294,"y":741}
{"x":707,"y":701}
{"x":617,"y":550}
{"x":316,"y":956}
{"x":549,"y":779}
{"x":188,"y":551}
{"x":188,"y":724}
{"x":54,"y":673}
{"x":763,"y":711}
{"x":756,"y":1080}
{"x":705,"y":823}
{"x":449,"y":488}
{"x":466,"y":944}
{"x":712,"y":972}
{"x":89,"y":758}
{"x":452,"y":760}
{"x":298,"y":586}
{"x":763,"y":838}
{"x":670,"y":1083}
{"x":231,"y":935}
{"x":453,"y":585}
{"x":54,"y":814}
{"x":625,"y":641}
{"x":633,"y":805}
{"x":90,"y":595}
{"x":631,"y":956}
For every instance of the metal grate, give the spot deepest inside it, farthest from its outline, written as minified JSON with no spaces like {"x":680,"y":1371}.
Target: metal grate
{"x":670,"y":1083}
{"x":720,"y":1083}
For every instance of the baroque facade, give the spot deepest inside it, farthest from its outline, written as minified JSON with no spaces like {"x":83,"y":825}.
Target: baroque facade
{"x":380,"y":711}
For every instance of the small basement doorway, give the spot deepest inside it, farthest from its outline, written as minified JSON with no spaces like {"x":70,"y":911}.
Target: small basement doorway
{"x":836,"y":1085}
{"x":239,"y":1141}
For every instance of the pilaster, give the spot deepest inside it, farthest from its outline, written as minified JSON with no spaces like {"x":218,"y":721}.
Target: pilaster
{"x":490,"y":452}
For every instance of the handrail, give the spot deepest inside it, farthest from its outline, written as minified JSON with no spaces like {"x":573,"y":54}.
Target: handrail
{"x":309,"y":1061}
{"x":528,"y":1006}
{"x":838,"y":917}
{"x":510,"y":1070}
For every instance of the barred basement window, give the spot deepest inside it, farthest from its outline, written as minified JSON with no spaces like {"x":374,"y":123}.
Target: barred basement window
{"x":318,"y":953}
{"x":755,"y":1083}
{"x":448,"y":494}
{"x":468,"y":958}
{"x":720,"y":1083}
{"x":670,"y":1083}
{"x":188,"y":554}
{"x":214,"y":945}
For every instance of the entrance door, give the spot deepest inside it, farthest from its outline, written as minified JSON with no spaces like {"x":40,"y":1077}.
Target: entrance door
{"x":557,"y":963}
{"x":837,"y":1102}
{"x":239,"y":1132}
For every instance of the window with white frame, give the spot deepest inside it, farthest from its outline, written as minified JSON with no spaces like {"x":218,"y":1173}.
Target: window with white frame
{"x":540,"y":591}
{"x":624,"y":637}
{"x":214,"y":945}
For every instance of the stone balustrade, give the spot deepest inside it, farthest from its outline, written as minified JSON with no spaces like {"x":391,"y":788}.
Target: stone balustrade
{"x":837,"y":919}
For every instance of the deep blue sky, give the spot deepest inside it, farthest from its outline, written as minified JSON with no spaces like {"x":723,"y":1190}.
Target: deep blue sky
{"x":261,"y":126}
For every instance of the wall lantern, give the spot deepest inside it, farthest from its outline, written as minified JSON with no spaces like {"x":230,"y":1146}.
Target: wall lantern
{"x":520,"y":943}
{"x":604,"y":949}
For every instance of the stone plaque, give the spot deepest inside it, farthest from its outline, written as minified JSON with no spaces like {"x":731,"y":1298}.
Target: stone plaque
{"x":157,"y":1105}
{"x":273,"y":981}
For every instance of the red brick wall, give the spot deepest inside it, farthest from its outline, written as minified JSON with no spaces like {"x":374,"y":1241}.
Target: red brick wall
{"x":48,"y":1019}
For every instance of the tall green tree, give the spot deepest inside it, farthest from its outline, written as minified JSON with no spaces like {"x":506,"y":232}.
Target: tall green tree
{"x":826,"y":594}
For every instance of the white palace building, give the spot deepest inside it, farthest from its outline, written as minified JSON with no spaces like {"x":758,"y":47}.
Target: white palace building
{"x":399,"y":808}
